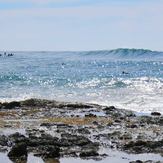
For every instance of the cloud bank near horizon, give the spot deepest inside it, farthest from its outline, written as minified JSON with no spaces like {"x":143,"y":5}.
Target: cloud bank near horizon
{"x":80,"y":24}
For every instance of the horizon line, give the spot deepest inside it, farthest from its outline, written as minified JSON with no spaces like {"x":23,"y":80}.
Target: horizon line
{"x":81,"y":50}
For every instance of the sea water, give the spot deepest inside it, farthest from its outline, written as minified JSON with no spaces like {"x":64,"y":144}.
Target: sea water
{"x":126,"y":78}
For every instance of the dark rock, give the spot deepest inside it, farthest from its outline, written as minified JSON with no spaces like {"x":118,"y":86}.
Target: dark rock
{"x":17,"y":137}
{"x":156,"y":114}
{"x":47,"y":124}
{"x":21,"y":159}
{"x":147,"y":120}
{"x":83,"y":131}
{"x":45,"y":139}
{"x":79,"y":106}
{"x":141,"y":146}
{"x":37,"y":103}
{"x":132,"y":126}
{"x":3,"y":140}
{"x":18,"y":150}
{"x":90,"y":115}
{"x":126,"y":136}
{"x":95,"y":123}
{"x":160,"y":121}
{"x":11,"y":105}
{"x":48,"y":151}
{"x":149,"y":161}
{"x":74,"y":140}
{"x":117,"y":121}
{"x":137,"y":161}
{"x":88,"y":153}
{"x":110,"y":108}
{"x":114,"y":135}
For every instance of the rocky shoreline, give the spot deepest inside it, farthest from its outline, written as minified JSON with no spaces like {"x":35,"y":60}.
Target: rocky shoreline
{"x":56,"y":130}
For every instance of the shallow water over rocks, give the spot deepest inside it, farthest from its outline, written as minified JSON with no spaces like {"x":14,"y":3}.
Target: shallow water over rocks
{"x":49,"y":131}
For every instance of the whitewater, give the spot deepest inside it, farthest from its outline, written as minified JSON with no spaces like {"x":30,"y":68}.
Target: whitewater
{"x":126,"y":78}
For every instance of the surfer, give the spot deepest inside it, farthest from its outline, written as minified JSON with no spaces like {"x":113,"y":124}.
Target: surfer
{"x":125,"y":73}
{"x":10,"y":54}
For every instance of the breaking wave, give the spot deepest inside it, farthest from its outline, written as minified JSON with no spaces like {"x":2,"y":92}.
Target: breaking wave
{"x":126,"y":54}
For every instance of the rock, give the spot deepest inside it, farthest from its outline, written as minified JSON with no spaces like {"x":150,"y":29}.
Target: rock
{"x":74,"y":140}
{"x":141,"y":146}
{"x":89,"y":153}
{"x":22,"y":159}
{"x":48,"y":151}
{"x":3,"y":140}
{"x":126,"y":136}
{"x":90,"y":115}
{"x":132,"y":126}
{"x":18,"y":150}
{"x":117,"y":121}
{"x":83,"y":131}
{"x":147,"y":120}
{"x":114,"y":135}
{"x":137,"y":161}
{"x":110,"y":108}
{"x":160,"y":121}
{"x":79,"y":106}
{"x":46,"y":124}
{"x":45,"y":139}
{"x":149,"y":161}
{"x":156,"y":114}
{"x":95,"y":123}
{"x":17,"y":137}
{"x":11,"y":105}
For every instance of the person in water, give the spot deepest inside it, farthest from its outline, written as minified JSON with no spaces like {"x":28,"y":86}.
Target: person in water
{"x":125,"y":73}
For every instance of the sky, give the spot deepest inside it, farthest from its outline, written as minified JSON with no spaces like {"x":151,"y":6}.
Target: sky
{"x":74,"y":25}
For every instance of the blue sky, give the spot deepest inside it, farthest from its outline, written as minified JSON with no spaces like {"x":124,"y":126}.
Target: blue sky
{"x":81,"y":24}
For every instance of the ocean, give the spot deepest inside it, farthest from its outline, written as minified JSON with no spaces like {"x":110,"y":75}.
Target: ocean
{"x":126,"y":78}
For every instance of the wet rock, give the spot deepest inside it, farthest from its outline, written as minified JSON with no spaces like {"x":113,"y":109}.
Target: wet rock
{"x":156,"y":114}
{"x":71,"y":152}
{"x":35,"y":102}
{"x":79,"y":106}
{"x":137,"y":161}
{"x":146,"y":120}
{"x":110,"y":108}
{"x":21,"y":159}
{"x":83,"y":131}
{"x":17,"y":137}
{"x":47,"y":124}
{"x":141,"y":146}
{"x":45,"y":139}
{"x":95,"y":123}
{"x":90,"y":115}
{"x":89,"y":153}
{"x":160,"y":121}
{"x":114,"y":134}
{"x":132,"y":126}
{"x":72,"y":140}
{"x":3,"y":140}
{"x":126,"y":136}
{"x":149,"y":161}
{"x":18,"y":150}
{"x":117,"y":121}
{"x":11,"y":105}
{"x":48,"y":151}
